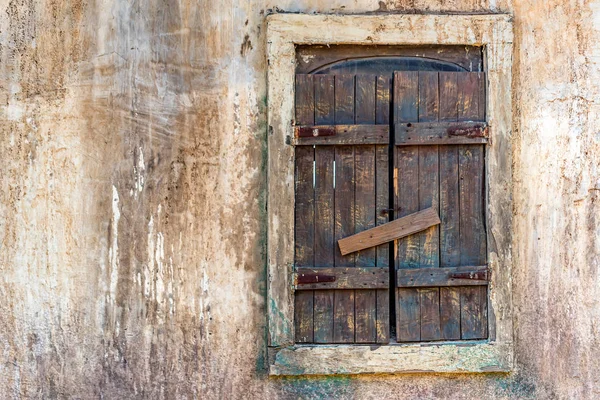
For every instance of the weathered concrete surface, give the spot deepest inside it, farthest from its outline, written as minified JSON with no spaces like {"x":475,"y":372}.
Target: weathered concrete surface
{"x":132,"y":212}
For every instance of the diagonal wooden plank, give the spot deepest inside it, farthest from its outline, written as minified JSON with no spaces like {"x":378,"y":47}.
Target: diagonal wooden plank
{"x":396,"y":229}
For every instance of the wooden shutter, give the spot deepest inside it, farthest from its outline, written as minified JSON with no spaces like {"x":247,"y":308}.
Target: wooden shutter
{"x":342,"y":188}
{"x":439,"y":162}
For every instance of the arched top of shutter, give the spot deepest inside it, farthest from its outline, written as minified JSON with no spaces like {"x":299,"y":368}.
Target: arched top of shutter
{"x":385,"y":65}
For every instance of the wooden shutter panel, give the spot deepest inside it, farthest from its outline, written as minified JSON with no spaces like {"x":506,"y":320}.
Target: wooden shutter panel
{"x":439,"y":162}
{"x":342,"y":137}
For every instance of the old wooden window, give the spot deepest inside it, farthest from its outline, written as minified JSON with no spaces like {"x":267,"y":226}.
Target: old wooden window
{"x":468,"y":155}
{"x":380,"y":137}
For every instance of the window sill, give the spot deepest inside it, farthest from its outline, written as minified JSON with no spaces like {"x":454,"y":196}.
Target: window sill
{"x":455,"y":357}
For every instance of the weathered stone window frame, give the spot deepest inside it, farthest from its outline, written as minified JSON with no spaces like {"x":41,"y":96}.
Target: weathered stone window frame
{"x":494,"y":33}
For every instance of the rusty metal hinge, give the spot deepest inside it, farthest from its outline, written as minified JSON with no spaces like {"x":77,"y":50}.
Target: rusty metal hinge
{"x":305,"y":279}
{"x":314,"y":131}
{"x":477,"y":131}
{"x":473,"y":275}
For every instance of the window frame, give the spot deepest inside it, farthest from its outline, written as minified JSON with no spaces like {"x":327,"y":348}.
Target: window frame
{"x":494,"y":32}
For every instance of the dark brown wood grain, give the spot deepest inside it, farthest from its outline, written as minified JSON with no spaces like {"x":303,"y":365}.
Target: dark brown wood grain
{"x":472,"y":227}
{"x":344,"y":225}
{"x":429,"y":197}
{"x":473,"y":304}
{"x":324,"y":243}
{"x":430,"y":314}
{"x":406,"y":185}
{"x":383,"y":314}
{"x":305,"y":100}
{"x":304,"y":240}
{"x":304,"y":232}
{"x":448,"y":96}
{"x":449,"y":209}
{"x":450,"y":313}
{"x":382,"y":117}
{"x":323,"y":315}
{"x":382,"y":103}
{"x":365,"y":302}
{"x":344,"y":99}
{"x":347,"y":278}
{"x":469,"y":92}
{"x":303,"y":317}
{"x":365,"y":99}
{"x":409,"y":315}
{"x":324,"y":99}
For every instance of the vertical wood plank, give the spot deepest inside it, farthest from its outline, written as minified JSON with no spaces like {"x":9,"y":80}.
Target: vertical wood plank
{"x":428,"y":96}
{"x":409,"y":315}
{"x":428,"y":169}
{"x":383,"y":316}
{"x":406,"y":96}
{"x":429,"y":256}
{"x":468,"y":96}
{"x":364,"y":161}
{"x":365,"y":300}
{"x":344,"y":226}
{"x":365,"y":99}
{"x":305,"y":100}
{"x":366,"y":315}
{"x":429,"y":197}
{"x":382,"y":116}
{"x":448,"y":96}
{"x":324,"y":99}
{"x":344,"y":99}
{"x":382,"y":200}
{"x":303,"y":316}
{"x":323,"y":316}
{"x":382,"y":112}
{"x":304,"y":208}
{"x":324,"y":240}
{"x":482,"y":104}
{"x":472,"y":228}
{"x":473,"y":303}
{"x":449,"y":210}
{"x":472,"y":239}
{"x":343,"y":326}
{"x":304,"y":240}
{"x":450,"y":313}
{"x":430,"y":313}
{"x":406,"y":192}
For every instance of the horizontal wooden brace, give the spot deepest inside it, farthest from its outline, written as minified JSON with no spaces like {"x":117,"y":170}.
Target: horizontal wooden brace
{"x":341,"y":134}
{"x":460,"y":276}
{"x":345,"y":278}
{"x":434,"y":133}
{"x":396,"y":229}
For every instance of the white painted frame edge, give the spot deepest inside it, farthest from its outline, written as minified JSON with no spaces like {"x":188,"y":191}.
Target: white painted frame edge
{"x":492,"y":31}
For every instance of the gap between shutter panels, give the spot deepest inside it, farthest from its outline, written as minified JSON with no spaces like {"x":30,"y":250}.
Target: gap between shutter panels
{"x":354,"y":154}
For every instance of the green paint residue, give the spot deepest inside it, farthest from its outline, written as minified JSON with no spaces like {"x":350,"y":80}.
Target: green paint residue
{"x":323,"y":387}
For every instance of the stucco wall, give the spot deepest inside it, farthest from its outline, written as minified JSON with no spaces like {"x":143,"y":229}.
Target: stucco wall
{"x":132,"y":202}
